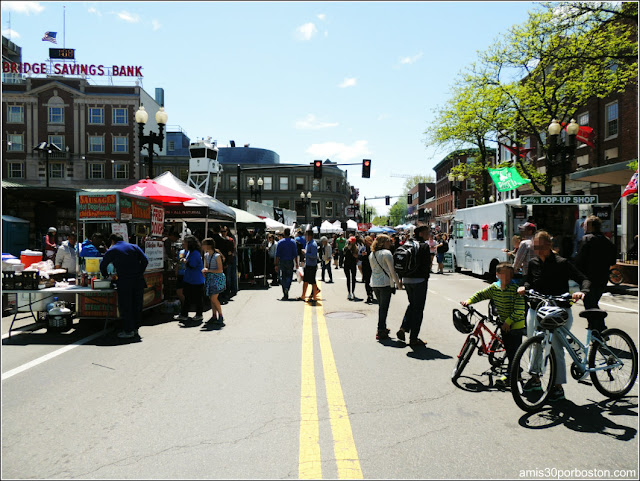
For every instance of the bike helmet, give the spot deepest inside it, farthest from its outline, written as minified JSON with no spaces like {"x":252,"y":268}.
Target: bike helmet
{"x":461,"y":322}
{"x":552,"y":317}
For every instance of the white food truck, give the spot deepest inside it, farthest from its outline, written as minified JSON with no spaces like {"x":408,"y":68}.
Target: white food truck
{"x":480,"y":233}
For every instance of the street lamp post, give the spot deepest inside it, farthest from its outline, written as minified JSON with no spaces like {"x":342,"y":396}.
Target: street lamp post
{"x":48,"y":148}
{"x":306,"y":201}
{"x":566,"y":149}
{"x":256,"y":194}
{"x":152,"y":139}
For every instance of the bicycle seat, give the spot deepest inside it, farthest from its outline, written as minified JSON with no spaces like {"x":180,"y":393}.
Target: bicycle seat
{"x":594,"y":314}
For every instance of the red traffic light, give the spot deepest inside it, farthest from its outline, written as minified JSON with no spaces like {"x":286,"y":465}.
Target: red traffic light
{"x":317,"y":169}
{"x":366,"y":168}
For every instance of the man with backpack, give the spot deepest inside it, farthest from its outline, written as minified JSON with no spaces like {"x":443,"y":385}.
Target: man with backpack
{"x":412,"y":261}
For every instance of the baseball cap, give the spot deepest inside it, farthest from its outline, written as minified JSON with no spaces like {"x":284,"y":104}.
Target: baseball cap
{"x":528,"y":225}
{"x":352,"y":239}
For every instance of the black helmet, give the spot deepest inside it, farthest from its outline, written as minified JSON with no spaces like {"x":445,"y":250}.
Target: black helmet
{"x":461,"y":322}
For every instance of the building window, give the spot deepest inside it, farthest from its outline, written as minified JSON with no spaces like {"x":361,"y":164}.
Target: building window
{"x":96,"y":170}
{"x":96,"y":144}
{"x":299,"y":183}
{"x":300,"y":208}
{"x":471,"y":184}
{"x":119,"y":116}
{"x":96,"y":115}
{"x":284,"y":183}
{"x":315,"y":186}
{"x":15,"y":170}
{"x":233,"y":182}
{"x":583,"y":119}
{"x":284,"y":204}
{"x":233,"y":203}
{"x":57,"y":140}
{"x":268,"y":202}
{"x":121,"y":170}
{"x":15,"y":114}
{"x":612,"y":119}
{"x":120,"y":144}
{"x":56,"y":170}
{"x":15,"y":143}
{"x":329,"y":185}
{"x":183,"y":174}
{"x":171,"y":146}
{"x":56,"y":115}
{"x":268,"y":182}
{"x":328,"y":208}
{"x":471,"y":202}
{"x":315,"y":208}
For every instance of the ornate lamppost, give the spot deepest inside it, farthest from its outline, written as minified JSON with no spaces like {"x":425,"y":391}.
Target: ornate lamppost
{"x":256,"y":193}
{"x":568,"y":149}
{"x":148,"y":141}
{"x":306,"y":202}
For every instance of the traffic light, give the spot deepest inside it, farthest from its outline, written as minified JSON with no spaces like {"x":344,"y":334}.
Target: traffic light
{"x":387,"y":200}
{"x":366,"y":168}
{"x":409,"y":199}
{"x":317,"y":169}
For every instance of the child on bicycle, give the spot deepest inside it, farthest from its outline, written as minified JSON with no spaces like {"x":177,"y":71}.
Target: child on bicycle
{"x":510,"y":307}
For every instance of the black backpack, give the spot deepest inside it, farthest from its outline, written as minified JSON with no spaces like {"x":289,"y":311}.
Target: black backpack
{"x":405,"y":258}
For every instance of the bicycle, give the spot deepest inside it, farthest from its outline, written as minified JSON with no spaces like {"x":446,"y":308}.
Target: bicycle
{"x":494,"y":349}
{"x":610,"y":358}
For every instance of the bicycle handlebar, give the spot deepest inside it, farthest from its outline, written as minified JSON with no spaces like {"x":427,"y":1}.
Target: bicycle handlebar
{"x":563,"y":298}
{"x":485,"y":318}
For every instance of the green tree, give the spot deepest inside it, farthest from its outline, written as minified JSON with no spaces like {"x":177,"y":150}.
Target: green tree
{"x":398,"y":211}
{"x":411,"y":182}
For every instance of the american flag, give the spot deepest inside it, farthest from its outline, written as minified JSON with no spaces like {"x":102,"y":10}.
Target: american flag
{"x":632,"y":186}
{"x":50,"y":37}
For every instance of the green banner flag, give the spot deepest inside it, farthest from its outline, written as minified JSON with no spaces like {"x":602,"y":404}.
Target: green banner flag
{"x":507,"y":178}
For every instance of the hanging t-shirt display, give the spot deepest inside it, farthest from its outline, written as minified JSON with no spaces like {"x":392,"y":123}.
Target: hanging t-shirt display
{"x":468,"y":230}
{"x":499,"y":227}
{"x":474,"y":230}
{"x":485,"y":232}
{"x":492,"y":232}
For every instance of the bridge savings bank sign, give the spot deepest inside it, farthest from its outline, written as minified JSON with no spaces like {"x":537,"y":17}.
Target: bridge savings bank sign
{"x":71,"y":69}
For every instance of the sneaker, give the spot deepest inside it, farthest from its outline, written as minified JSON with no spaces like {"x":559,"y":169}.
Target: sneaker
{"x":197,"y":318}
{"x":126,"y":334}
{"x":532,"y":385}
{"x":400,"y":335}
{"x":180,"y":317}
{"x":556,"y":394}
{"x":382,"y":335}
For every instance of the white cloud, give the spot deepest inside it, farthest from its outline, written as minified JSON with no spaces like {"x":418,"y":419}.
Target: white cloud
{"x":22,"y":7}
{"x":306,"y":31}
{"x":128,"y":17}
{"x":95,"y":11}
{"x":339,"y":151}
{"x":10,"y":34}
{"x":310,"y":122}
{"x":348,"y":82}
{"x":410,"y":60}
{"x":321,"y":16}
{"x":156,"y":25}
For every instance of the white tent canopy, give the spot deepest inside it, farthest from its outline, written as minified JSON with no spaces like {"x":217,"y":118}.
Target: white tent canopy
{"x":352,"y":225}
{"x":243,"y":217}
{"x":329,"y":228}
{"x":274,"y":225}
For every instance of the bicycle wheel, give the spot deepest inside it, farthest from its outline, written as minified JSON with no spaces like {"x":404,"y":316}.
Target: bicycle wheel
{"x":532,"y":378}
{"x":617,"y":381}
{"x":497,"y":353}
{"x":466,"y":353}
{"x":615,"y":276}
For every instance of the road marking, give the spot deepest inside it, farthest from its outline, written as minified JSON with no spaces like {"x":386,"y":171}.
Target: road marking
{"x":309,"y":461}
{"x":344,"y":446}
{"x":618,"y":307}
{"x":49,"y":356}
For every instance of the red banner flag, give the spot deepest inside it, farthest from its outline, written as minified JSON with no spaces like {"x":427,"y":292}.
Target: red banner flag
{"x":585,"y":134}
{"x":523,"y":152}
{"x":632,"y":186}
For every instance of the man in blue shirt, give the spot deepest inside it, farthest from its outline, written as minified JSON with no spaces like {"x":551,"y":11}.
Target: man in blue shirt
{"x":130,"y":263}
{"x":286,"y":255}
{"x":310,"y":267}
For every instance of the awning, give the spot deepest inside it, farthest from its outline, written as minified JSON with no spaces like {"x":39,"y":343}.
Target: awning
{"x":614,"y":174}
{"x":243,"y":217}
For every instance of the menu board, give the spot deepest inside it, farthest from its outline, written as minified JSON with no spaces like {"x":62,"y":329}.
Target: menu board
{"x":157,"y":220}
{"x":120,"y":229}
{"x":96,"y":206}
{"x":155,"y":253}
{"x":125,"y":208}
{"x":140,"y":210}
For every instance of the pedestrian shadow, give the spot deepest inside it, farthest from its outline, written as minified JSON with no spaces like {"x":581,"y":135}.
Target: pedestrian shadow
{"x":425,"y":353}
{"x":189,"y":324}
{"x":393,"y":343}
{"x":112,"y":340}
{"x":212,"y":327}
{"x":593,"y":417}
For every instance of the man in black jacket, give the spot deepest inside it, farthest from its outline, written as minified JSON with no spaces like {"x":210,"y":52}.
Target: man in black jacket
{"x":596,"y":254}
{"x":416,"y":283}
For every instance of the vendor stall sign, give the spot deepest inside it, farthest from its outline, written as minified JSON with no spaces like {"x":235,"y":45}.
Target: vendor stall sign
{"x":153,"y":291}
{"x":96,"y":206}
{"x":558,"y":199}
{"x":182,"y":212}
{"x":120,"y":229}
{"x":154,"y":250}
{"x":98,"y":305}
{"x":157,"y":220}
{"x":125,"y":208}
{"x":140,"y":210}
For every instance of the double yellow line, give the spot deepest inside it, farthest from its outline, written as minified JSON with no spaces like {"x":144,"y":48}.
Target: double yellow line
{"x":346,"y":454}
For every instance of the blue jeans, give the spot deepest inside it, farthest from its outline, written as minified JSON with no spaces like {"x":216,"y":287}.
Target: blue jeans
{"x":384,"y":299}
{"x":285,"y":270}
{"x":327,"y":267}
{"x":417,"y":294}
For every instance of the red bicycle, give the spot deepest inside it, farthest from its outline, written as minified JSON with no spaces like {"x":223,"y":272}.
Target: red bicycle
{"x":494,"y":349}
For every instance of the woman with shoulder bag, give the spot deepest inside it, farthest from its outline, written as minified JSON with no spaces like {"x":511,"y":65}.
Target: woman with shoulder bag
{"x":384,"y":280}
{"x":214,"y":279}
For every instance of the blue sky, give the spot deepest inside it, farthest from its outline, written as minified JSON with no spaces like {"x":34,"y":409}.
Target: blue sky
{"x":309,"y":80}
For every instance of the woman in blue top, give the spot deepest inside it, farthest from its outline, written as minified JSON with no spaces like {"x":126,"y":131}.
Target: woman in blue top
{"x":180,"y":280}
{"x":193,"y":280}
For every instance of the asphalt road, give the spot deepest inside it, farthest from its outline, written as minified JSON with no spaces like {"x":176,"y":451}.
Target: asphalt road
{"x":286,"y":390}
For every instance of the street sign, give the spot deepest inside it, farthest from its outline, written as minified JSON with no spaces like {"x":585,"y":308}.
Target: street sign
{"x":558,"y":199}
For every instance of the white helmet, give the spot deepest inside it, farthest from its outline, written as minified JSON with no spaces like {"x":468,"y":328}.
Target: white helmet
{"x":552,"y":317}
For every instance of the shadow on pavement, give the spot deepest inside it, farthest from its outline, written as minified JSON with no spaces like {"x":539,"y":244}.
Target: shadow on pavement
{"x":425,"y":353}
{"x":393,"y":343}
{"x":594,"y":417}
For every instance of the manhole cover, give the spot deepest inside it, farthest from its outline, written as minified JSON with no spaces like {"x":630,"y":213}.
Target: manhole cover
{"x":345,"y":315}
